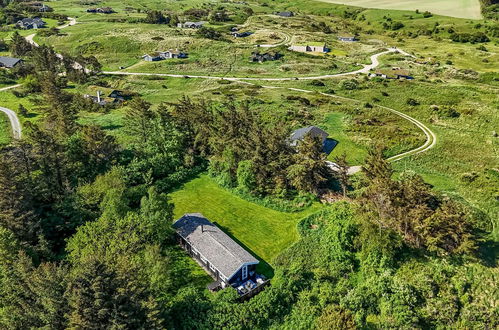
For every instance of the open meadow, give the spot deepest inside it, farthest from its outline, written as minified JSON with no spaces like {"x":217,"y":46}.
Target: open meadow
{"x":454,"y":8}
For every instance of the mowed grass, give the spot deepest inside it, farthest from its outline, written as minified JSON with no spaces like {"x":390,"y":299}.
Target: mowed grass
{"x":263,"y":231}
{"x":454,"y":8}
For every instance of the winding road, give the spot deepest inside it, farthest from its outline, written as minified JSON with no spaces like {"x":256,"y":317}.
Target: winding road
{"x":365,"y":69}
{"x":431,"y":138}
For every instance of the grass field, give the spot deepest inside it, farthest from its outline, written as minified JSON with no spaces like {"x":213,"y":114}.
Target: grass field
{"x":265,"y":232}
{"x":5,"y":130}
{"x":454,"y":8}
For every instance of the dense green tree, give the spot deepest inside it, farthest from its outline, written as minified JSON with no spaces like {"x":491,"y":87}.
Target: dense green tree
{"x":19,"y":46}
{"x":309,"y":169}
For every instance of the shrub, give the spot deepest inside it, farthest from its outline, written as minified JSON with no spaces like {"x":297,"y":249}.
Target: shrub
{"x":316,"y":82}
{"x":349,"y":84}
{"x":412,"y":102}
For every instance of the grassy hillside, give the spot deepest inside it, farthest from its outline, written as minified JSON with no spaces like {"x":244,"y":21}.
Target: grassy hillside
{"x":454,"y":8}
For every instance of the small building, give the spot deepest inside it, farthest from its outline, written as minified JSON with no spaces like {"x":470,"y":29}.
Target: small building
{"x":37,"y":6}
{"x":263,"y":57}
{"x":241,"y":34}
{"x":312,"y":47}
{"x":225,"y":260}
{"x":191,"y":25}
{"x":102,"y":10}
{"x":172,"y":54}
{"x":393,"y":73}
{"x":285,"y":13}
{"x":327,"y":144}
{"x":9,"y":62}
{"x":348,"y":38}
{"x":163,"y":55}
{"x":97,"y":99}
{"x":30,"y":23}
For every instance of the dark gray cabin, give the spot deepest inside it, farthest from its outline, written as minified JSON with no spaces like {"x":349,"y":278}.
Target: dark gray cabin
{"x":285,"y":14}
{"x":9,"y":62}
{"x":327,"y":144}
{"x":30,"y":23}
{"x":223,"y":258}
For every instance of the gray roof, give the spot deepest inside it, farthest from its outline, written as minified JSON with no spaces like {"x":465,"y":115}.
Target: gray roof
{"x":213,"y":244}
{"x":9,"y":62}
{"x":315,"y":131}
{"x":286,"y":13}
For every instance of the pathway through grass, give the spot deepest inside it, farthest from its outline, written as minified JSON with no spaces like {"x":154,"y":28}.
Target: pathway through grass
{"x":265,"y":232}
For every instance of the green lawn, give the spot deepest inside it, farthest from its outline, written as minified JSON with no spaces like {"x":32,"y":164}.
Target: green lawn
{"x":454,"y":8}
{"x":263,"y":231}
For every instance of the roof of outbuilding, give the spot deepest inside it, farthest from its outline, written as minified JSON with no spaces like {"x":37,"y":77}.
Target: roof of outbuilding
{"x":9,"y":62}
{"x":213,"y":244}
{"x":313,"y":130}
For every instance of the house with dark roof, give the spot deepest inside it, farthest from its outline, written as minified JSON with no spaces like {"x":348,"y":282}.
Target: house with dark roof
{"x":285,"y":14}
{"x":263,"y":57}
{"x":224,"y":259}
{"x":9,"y":62}
{"x":327,"y":144}
{"x":102,"y":10}
{"x":158,"y":56}
{"x":241,"y":34}
{"x":191,"y":25}
{"x":30,"y":23}
{"x":348,"y":38}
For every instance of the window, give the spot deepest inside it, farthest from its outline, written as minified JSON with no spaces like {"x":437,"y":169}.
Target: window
{"x":245,"y":272}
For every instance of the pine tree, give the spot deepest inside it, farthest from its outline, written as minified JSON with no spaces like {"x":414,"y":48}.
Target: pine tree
{"x":342,"y":172}
{"x":309,"y":169}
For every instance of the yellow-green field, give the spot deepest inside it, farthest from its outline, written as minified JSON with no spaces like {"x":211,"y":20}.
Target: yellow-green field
{"x":454,"y":8}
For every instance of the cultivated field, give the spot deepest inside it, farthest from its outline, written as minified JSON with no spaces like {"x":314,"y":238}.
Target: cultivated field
{"x":454,"y":8}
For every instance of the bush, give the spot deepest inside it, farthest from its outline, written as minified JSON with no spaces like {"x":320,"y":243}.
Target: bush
{"x":316,"y":82}
{"x":351,"y":84}
{"x":209,"y":33}
{"x":412,"y":102}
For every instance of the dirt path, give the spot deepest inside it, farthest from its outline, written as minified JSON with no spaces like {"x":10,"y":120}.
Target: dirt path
{"x":365,"y":69}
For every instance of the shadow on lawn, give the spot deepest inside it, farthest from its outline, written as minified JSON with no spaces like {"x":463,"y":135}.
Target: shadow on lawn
{"x":263,"y":267}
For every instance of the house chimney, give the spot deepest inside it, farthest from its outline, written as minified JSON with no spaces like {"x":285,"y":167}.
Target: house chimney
{"x":98,"y":96}
{"x":202,"y":228}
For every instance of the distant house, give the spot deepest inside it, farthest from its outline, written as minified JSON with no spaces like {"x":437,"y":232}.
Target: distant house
{"x":225,"y":260}
{"x":263,"y":57}
{"x":348,"y":38}
{"x":314,"y":131}
{"x":103,"y":10}
{"x":9,"y":62}
{"x":37,"y":6}
{"x":285,"y":14}
{"x":393,"y":73}
{"x":191,"y":25}
{"x":312,"y":47}
{"x":30,"y":23}
{"x":97,"y":99}
{"x":241,"y":34}
{"x":158,"y":56}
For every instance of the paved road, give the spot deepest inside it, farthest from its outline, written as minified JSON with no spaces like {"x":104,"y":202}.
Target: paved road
{"x":365,"y":69}
{"x":14,"y":120}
